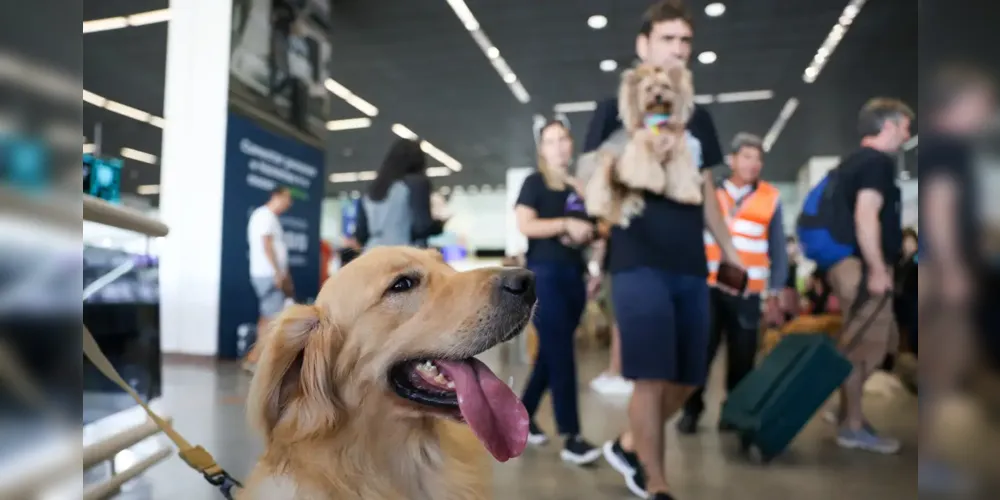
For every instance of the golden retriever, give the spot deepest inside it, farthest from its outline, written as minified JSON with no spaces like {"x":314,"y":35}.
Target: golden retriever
{"x":374,"y":393}
{"x":655,"y":105}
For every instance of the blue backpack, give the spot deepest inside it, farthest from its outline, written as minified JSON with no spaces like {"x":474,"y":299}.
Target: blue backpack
{"x":826,"y":225}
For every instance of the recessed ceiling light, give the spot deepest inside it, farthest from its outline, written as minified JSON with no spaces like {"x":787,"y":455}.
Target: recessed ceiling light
{"x":608,"y":65}
{"x":493,"y":52}
{"x":707,"y":57}
{"x":715,"y":9}
{"x":597,"y":22}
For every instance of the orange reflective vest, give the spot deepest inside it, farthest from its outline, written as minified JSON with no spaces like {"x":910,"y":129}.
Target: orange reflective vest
{"x":748,"y":225}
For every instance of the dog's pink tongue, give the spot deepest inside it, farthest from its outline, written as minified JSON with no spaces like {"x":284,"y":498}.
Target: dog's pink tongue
{"x":490,"y":407}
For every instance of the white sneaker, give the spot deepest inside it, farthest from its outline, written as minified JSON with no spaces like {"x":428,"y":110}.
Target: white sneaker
{"x":611,"y":385}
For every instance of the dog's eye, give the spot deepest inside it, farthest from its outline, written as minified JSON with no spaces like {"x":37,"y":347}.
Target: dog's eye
{"x":402,"y":284}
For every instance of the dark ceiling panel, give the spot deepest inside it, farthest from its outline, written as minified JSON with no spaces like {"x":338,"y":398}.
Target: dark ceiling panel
{"x":416,"y":63}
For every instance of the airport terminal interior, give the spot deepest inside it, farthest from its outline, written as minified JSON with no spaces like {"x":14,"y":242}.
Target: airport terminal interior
{"x":213,"y":126}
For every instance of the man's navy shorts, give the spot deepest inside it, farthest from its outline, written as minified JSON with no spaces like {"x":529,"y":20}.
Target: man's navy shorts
{"x":663,"y":318}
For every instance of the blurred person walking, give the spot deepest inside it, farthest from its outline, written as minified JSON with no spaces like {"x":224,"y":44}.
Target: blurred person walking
{"x":659,"y":272}
{"x":551,"y":214}
{"x":752,"y":209}
{"x":397,"y":208}
{"x":268,"y":264}
{"x":863,"y":282}
{"x":962,"y":101}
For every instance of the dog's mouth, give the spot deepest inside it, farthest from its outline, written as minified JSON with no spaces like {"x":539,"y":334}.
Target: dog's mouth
{"x":660,"y":106}
{"x":468,"y":391}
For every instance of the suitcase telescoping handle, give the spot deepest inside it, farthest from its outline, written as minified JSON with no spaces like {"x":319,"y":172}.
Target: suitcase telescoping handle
{"x":861,"y":298}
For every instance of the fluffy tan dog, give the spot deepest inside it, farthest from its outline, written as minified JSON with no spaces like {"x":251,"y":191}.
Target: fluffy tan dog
{"x":654,"y":105}
{"x":373,"y":392}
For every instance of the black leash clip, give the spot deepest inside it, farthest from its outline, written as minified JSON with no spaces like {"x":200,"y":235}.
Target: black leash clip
{"x":224,"y":482}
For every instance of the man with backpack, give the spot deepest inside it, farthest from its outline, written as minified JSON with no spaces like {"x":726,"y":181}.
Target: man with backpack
{"x":851,"y":227}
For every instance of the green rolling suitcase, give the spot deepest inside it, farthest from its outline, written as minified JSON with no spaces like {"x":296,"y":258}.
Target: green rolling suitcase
{"x":774,"y":402}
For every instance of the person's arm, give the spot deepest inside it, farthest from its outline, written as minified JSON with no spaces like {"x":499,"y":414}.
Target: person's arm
{"x":526,"y":212}
{"x":711,"y":158}
{"x":272,"y":257}
{"x":716,"y":223}
{"x":777,"y":252}
{"x":868,"y":204}
{"x":536,"y":228}
{"x":939,"y":206}
{"x":423,"y":225}
{"x":869,"y":228}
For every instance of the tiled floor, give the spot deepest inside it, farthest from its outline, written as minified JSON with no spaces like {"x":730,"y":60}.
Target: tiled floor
{"x":206,"y":404}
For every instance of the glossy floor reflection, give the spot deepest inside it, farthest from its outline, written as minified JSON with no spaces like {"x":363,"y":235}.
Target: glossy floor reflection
{"x":206,"y":403}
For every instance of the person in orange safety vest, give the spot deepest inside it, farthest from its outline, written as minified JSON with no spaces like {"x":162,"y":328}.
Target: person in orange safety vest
{"x":752,"y":208}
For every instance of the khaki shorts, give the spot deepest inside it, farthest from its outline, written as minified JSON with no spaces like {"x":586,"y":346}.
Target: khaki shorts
{"x":873,"y":317}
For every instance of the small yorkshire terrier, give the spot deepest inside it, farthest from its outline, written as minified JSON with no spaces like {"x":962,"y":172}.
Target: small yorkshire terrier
{"x":655,"y":105}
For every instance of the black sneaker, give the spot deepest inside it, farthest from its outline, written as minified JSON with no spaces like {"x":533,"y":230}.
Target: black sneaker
{"x":688,"y":424}
{"x":535,"y":435}
{"x":625,"y":462}
{"x":662,"y":496}
{"x":578,"y":451}
{"x":636,"y":482}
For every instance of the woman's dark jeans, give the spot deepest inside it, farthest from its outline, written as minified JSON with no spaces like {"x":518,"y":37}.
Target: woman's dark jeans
{"x":562,"y":296}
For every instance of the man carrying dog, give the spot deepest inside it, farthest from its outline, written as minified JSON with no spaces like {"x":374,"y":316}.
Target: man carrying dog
{"x":752,"y":209}
{"x":658,"y":265}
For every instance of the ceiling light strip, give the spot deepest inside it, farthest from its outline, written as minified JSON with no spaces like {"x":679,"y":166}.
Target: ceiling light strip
{"x":348,"y":124}
{"x":120,"y":22}
{"x":431,"y":150}
{"x":745,"y":96}
{"x":575,"y":107}
{"x":779,"y":124}
{"x":832,"y":40}
{"x":492,"y":52}
{"x":438,"y":171}
{"x":351,"y":98}
{"x":123,"y":109}
{"x":369,"y":175}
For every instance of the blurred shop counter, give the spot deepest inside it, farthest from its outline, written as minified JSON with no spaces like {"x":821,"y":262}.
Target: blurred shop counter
{"x":121,"y":308}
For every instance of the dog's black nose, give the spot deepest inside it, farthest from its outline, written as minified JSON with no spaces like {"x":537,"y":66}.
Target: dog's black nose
{"x":519,"y":282}
{"x":659,"y":99}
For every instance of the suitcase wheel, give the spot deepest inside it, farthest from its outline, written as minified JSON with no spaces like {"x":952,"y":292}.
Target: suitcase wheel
{"x":746,"y":443}
{"x":753,"y":451}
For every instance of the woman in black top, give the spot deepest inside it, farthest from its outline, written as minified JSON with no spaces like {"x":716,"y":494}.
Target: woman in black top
{"x":551,"y":214}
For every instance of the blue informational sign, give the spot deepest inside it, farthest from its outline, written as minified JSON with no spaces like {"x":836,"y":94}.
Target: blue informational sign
{"x":257,"y":161}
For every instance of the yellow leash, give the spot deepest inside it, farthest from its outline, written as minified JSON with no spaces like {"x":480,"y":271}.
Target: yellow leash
{"x":196,"y":457}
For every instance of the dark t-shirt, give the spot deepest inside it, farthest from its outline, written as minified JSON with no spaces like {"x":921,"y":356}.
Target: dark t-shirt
{"x":549,"y":204}
{"x":871,"y":169}
{"x":667,"y":235}
{"x":951,"y":157}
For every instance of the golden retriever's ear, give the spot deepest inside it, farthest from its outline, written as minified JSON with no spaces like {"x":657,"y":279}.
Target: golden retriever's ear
{"x":681,"y":81}
{"x":294,"y":375}
{"x":628,"y":100}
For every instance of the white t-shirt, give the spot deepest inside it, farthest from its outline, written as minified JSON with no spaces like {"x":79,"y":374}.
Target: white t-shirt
{"x":264,"y":222}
